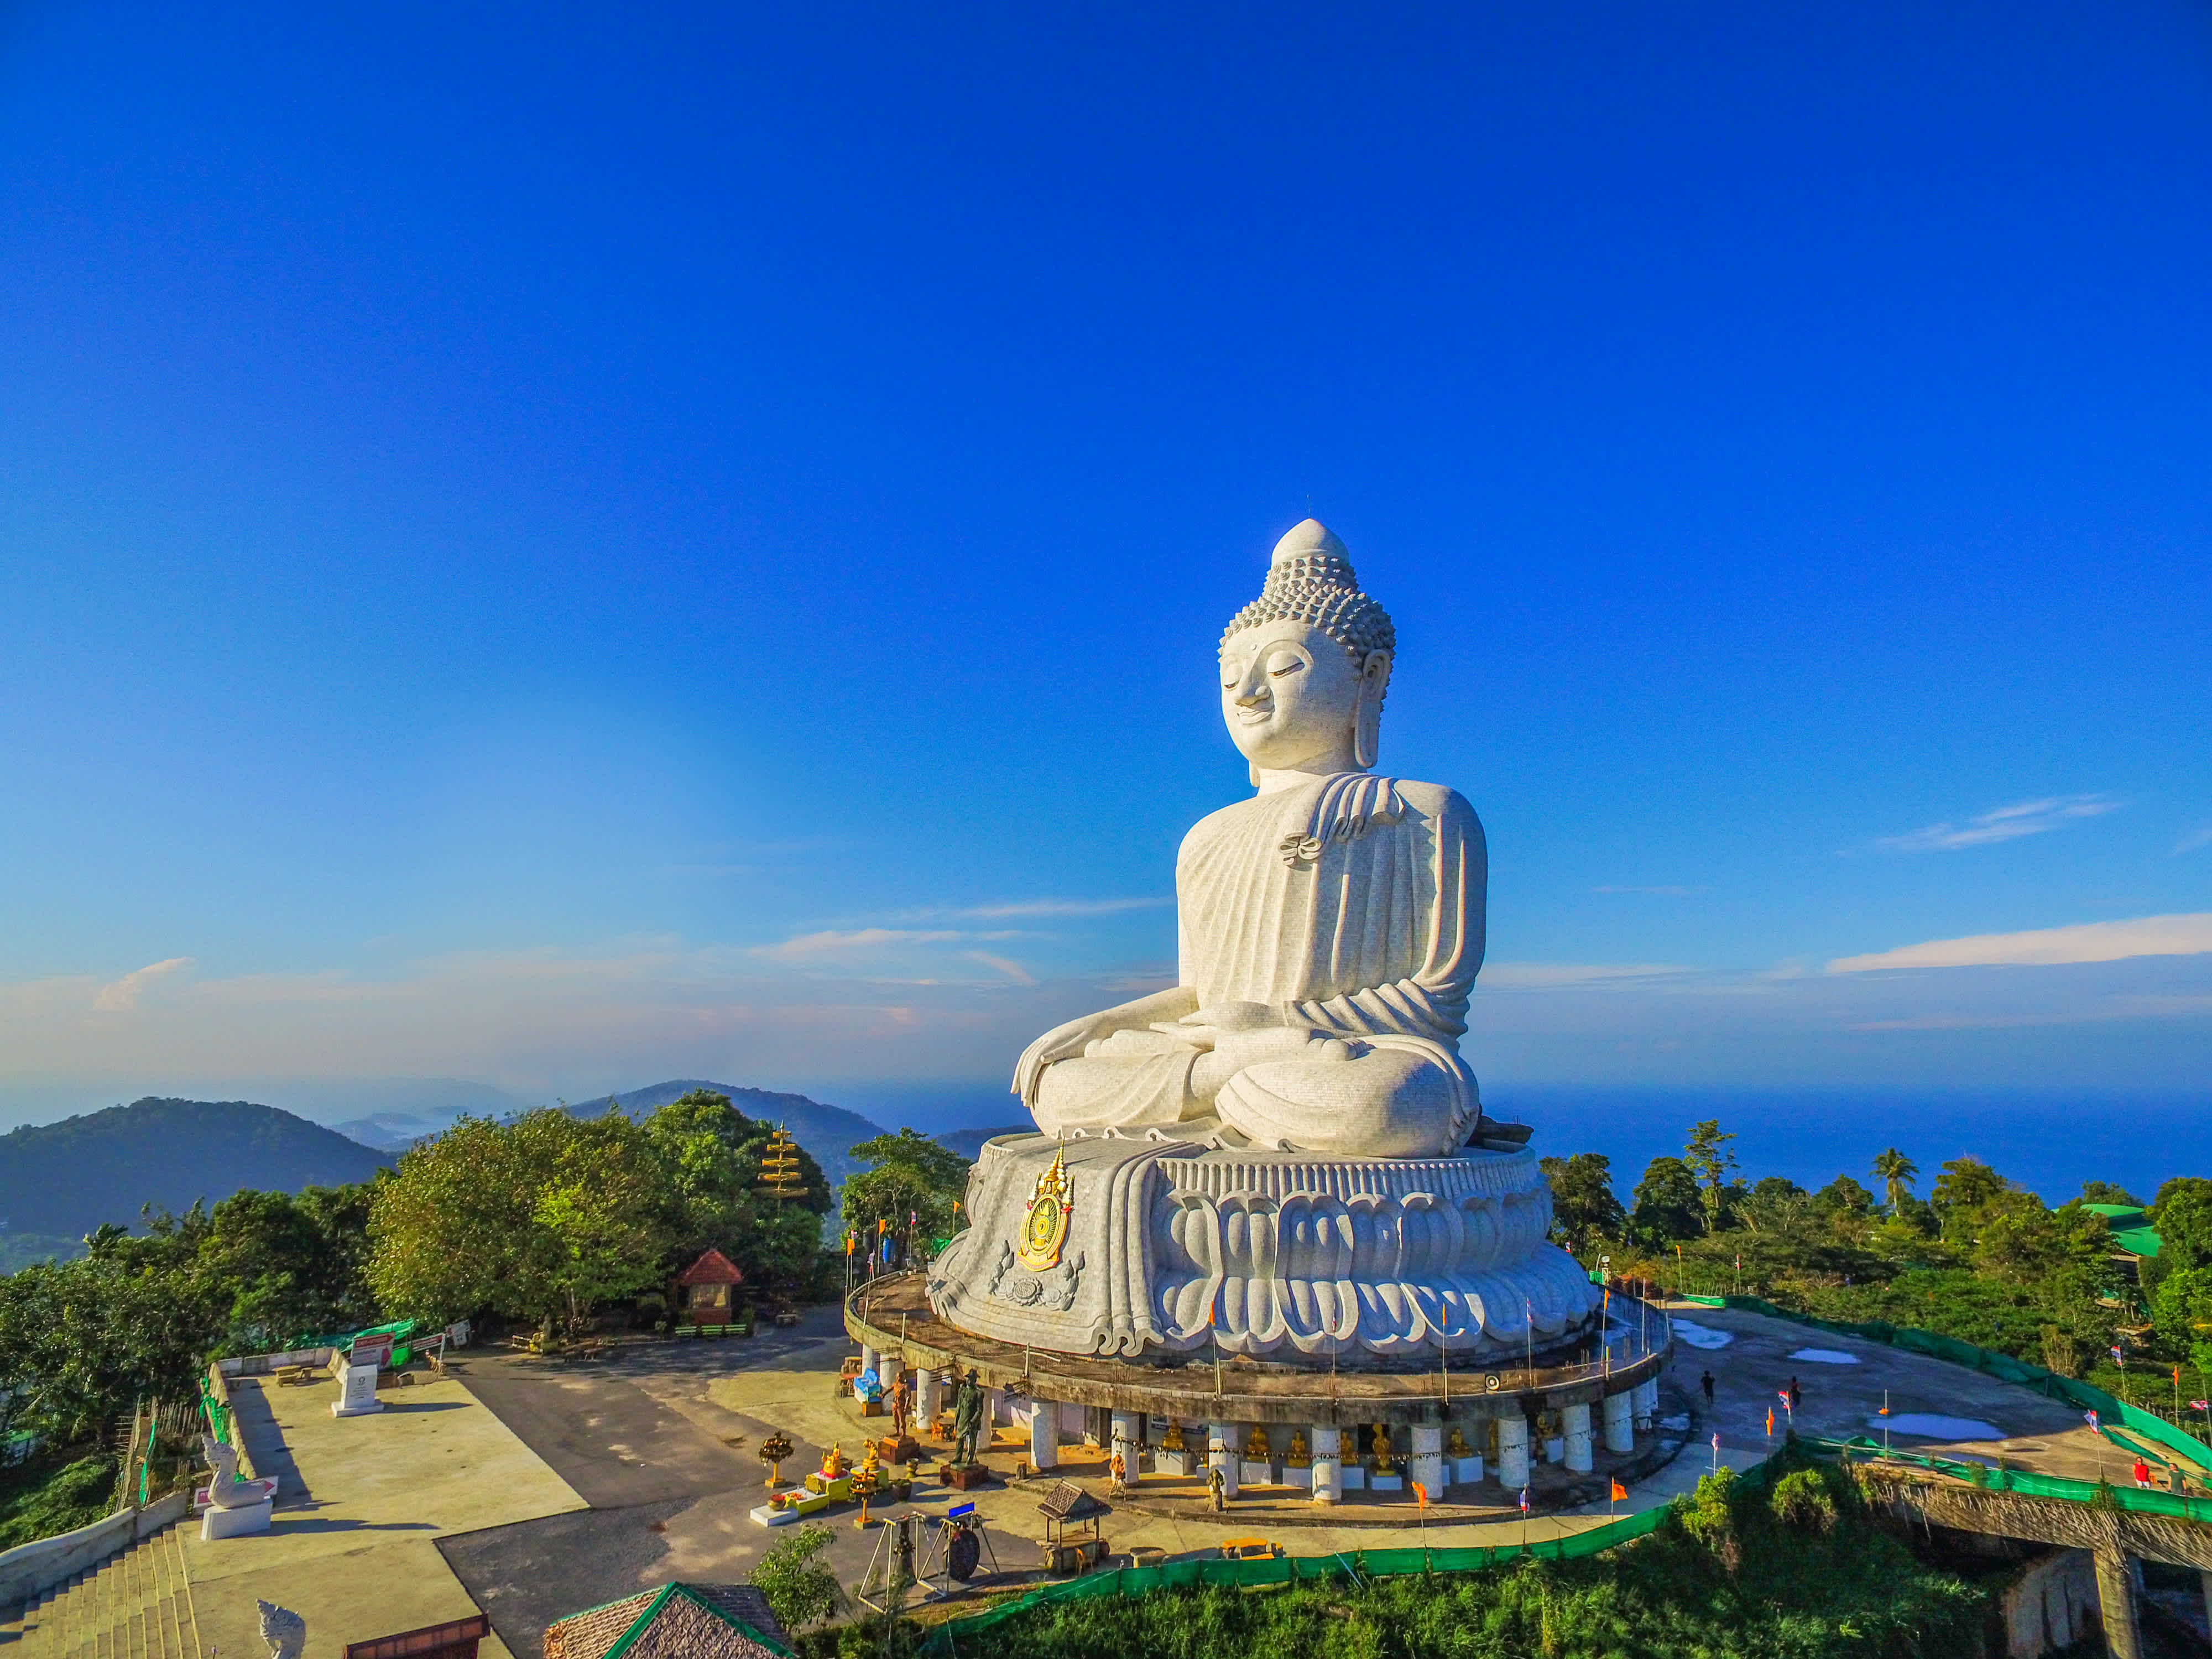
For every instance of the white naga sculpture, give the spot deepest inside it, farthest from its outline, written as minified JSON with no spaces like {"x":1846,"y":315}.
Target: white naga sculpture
{"x":1330,"y":928}
{"x":1284,"y":1155}
{"x":227,"y":1490}
{"x":284,"y":1631}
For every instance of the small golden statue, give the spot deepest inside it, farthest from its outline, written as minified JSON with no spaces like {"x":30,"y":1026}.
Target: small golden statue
{"x":1298,"y":1458}
{"x":833,"y":1462}
{"x":1457,"y":1446}
{"x":1172,"y":1441}
{"x":1257,"y":1446}
{"x":1380,"y":1445}
{"x":871,"y":1467}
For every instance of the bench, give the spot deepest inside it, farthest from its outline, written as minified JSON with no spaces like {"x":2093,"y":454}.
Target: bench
{"x":683,"y":1331}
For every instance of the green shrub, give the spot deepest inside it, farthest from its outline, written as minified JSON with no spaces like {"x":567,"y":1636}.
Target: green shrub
{"x":75,"y":1495}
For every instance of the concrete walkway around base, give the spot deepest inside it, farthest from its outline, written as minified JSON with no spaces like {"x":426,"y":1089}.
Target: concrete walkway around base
{"x":1841,"y":1400}
{"x":361,"y":1504}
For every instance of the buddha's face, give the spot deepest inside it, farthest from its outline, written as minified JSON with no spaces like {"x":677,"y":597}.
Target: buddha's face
{"x":1289,"y":694}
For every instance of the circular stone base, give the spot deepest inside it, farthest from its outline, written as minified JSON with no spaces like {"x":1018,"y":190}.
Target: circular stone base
{"x":893,"y":1315}
{"x":1161,"y":1245}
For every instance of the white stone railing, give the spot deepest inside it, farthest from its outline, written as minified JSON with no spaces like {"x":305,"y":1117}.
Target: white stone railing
{"x":32,"y":1568}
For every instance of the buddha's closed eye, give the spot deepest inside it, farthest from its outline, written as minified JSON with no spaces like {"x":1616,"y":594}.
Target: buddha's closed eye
{"x":1278,"y":666}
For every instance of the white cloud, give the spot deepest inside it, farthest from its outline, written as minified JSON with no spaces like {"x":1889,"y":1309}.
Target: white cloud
{"x":1012,"y":969}
{"x":1053,"y":908}
{"x":2092,"y":941}
{"x":834,"y":945}
{"x":2027,"y":817}
{"x":1539,"y":976}
{"x":2200,"y":836}
{"x":124,"y":993}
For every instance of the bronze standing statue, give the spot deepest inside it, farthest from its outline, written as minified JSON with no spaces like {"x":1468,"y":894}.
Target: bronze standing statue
{"x":967,"y":1420}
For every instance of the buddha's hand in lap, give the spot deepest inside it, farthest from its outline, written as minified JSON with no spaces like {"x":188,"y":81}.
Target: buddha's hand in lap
{"x":1062,"y":1042}
{"x":1239,"y":1051}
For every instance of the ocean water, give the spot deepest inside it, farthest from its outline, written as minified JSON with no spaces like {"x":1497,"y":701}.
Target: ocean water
{"x":2048,"y":1141}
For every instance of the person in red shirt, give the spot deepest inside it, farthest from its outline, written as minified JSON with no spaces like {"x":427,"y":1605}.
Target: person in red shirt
{"x":2143,"y":1472}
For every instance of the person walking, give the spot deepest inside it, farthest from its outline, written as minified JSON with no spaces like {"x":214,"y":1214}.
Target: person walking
{"x":1707,"y":1384}
{"x":1794,"y":1398}
{"x":2143,"y":1472}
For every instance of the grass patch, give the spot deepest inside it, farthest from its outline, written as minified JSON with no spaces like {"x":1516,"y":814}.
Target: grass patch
{"x":54,"y":1494}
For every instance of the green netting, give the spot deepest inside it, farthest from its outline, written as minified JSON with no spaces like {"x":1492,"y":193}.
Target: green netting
{"x":2028,"y":1484}
{"x":1311,"y":1569}
{"x":2003,"y":1366}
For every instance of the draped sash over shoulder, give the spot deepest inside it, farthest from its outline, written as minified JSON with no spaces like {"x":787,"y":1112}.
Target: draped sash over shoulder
{"x":1354,"y":904}
{"x":1359,"y":897}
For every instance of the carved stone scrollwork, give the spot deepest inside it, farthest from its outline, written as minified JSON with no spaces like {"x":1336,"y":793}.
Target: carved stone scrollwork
{"x":1280,"y":1255}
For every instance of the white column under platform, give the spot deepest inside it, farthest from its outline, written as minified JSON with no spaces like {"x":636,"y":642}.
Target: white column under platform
{"x":1575,"y":1420}
{"x":1620,"y":1437}
{"x":1512,"y":1451}
{"x":869,"y":1360}
{"x":1044,"y":1435}
{"x":1427,"y":1463}
{"x":1327,"y":1465}
{"x":1124,"y":1443}
{"x":1222,"y":1451}
{"x":925,"y":1401}
{"x":1646,"y":1398}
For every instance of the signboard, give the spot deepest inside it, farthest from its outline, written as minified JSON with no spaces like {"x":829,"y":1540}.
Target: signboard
{"x":372,"y":1351}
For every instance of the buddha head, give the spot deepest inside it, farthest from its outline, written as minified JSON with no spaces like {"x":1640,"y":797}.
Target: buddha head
{"x":1304,"y":666}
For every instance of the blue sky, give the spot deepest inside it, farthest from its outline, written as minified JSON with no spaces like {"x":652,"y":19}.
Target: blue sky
{"x":559,"y":548}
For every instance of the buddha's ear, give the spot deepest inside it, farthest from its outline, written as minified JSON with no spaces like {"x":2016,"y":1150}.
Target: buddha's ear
{"x":1367,"y":714}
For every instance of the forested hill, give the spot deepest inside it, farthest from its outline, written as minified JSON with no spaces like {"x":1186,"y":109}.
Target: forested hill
{"x":65,"y":1179}
{"x":828,"y":1133}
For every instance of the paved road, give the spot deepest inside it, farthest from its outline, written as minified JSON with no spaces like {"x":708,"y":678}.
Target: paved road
{"x":640,"y":1438}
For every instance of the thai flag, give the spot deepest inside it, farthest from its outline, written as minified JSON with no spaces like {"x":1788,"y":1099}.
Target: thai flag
{"x":2201,"y":1404}
{"x":2090,"y":1418}
{"x":1783,"y":1395}
{"x":2118,"y":1358}
{"x":1524,"y":1500}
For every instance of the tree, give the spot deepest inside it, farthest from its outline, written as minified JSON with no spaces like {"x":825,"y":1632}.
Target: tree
{"x":1896,"y":1172}
{"x":1963,"y":1185}
{"x":1667,"y":1206}
{"x":709,"y":1155}
{"x":1708,"y":1157}
{"x":1843,"y":1196}
{"x":1583,"y":1208}
{"x":2183,"y":1217}
{"x":906,"y":1174}
{"x":2181,"y":1310}
{"x":2104,"y":1192}
{"x":284,"y":1268}
{"x":541,"y":1218}
{"x":801,"y":1589}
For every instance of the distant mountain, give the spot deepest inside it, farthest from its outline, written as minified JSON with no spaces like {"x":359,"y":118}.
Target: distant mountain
{"x":969,"y":1143}
{"x":392,"y":1131}
{"x":64,"y":1179}
{"x":829,"y":1132}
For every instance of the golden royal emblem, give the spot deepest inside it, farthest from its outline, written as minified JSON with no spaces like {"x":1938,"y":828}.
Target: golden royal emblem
{"x":1044,"y":1225}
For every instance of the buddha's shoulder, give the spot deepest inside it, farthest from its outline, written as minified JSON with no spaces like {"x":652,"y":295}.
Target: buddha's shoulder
{"x":1433,"y":800}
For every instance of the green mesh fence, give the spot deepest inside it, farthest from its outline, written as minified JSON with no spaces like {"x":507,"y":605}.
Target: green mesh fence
{"x":2136,"y":1499}
{"x":1353,"y":1564}
{"x":2003,"y":1366}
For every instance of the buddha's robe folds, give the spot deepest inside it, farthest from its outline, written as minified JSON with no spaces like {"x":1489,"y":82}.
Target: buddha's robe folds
{"x":1352,"y":908}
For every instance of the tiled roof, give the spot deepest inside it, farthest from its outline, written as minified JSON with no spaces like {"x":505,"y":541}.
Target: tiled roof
{"x":677,"y":1621}
{"x":712,"y":1268}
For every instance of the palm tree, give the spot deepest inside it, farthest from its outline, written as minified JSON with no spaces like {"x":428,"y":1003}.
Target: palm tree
{"x":1895,"y":1171}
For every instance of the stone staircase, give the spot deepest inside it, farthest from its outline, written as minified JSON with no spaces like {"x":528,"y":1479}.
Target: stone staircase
{"x":136,"y":1605}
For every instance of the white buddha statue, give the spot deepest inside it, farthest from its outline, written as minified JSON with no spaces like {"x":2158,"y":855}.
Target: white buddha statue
{"x":1330,"y":928}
